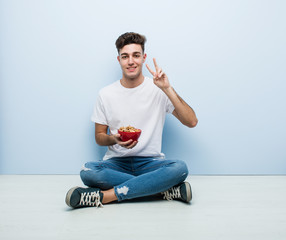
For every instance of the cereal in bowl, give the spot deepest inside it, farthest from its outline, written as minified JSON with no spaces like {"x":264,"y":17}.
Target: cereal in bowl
{"x":129,"y":129}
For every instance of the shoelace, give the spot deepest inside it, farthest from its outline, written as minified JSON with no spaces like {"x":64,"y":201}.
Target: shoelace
{"x":90,"y":199}
{"x":172,"y":193}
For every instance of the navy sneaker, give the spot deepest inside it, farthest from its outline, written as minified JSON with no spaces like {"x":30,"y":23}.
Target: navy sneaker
{"x":84,"y":197}
{"x":182,"y":192}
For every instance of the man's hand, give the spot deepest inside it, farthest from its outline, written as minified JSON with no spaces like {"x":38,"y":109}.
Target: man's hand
{"x":182,"y":111}
{"x":159,"y":77}
{"x":127,"y":144}
{"x":103,"y":139}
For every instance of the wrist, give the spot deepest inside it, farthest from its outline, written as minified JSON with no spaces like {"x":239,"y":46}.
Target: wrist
{"x":168,"y":90}
{"x":113,"y":139}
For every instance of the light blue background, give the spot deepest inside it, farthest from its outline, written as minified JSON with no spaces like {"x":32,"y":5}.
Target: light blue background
{"x":227,"y":59}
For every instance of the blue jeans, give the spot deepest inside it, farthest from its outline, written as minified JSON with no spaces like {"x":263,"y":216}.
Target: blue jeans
{"x":133,"y":177}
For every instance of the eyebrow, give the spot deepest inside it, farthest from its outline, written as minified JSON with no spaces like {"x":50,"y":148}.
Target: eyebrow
{"x":131,"y":53}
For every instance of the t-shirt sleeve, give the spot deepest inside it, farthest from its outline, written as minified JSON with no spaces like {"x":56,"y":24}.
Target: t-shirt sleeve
{"x":98,"y":115}
{"x":169,"y":106}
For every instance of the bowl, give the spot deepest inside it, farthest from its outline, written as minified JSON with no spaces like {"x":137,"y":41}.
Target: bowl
{"x":125,"y":136}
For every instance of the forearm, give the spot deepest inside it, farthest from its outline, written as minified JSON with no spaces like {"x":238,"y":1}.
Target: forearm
{"x":182,"y":110}
{"x":104,"y":139}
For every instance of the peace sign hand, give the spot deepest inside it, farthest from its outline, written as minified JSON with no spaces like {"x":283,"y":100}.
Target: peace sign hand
{"x":159,"y":77}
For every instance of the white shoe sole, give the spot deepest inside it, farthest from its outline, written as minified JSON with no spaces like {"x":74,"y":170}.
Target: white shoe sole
{"x":188,"y":191}
{"x":68,"y":196}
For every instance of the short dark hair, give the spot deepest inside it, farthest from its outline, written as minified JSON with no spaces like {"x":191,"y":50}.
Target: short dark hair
{"x":129,"y":38}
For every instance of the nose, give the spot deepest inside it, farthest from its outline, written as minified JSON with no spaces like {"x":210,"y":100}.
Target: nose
{"x":130,"y":60}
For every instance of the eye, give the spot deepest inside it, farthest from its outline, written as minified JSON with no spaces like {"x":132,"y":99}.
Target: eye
{"x":137,"y":55}
{"x":124,"y":57}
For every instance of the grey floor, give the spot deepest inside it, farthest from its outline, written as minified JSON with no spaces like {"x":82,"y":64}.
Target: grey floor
{"x":223,"y":207}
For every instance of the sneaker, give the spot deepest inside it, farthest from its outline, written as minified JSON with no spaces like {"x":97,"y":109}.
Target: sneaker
{"x":84,"y":197}
{"x":182,"y":192}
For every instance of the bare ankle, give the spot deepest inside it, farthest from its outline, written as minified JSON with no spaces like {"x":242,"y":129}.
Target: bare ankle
{"x":109,"y":196}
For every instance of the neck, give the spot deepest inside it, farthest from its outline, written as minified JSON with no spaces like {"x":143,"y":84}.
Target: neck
{"x":132,"y":82}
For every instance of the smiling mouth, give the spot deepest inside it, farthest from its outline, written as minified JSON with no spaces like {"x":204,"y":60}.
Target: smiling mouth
{"x":131,"y":69}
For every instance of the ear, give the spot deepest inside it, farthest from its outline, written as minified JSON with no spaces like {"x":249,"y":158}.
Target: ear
{"x":144,"y":57}
{"x":118,"y":58}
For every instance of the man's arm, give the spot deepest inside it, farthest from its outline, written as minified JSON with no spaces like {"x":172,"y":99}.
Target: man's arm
{"x":101,"y":136}
{"x":103,"y":139}
{"x":183,"y":111}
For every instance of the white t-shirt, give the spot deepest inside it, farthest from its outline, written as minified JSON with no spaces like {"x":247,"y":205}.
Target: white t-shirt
{"x":143,"y":107}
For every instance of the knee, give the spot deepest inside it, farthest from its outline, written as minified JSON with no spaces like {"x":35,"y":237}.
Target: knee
{"x":85,"y":175}
{"x":181,"y":166}
{"x":89,"y":173}
{"x":181,"y":169}
{"x":92,"y":166}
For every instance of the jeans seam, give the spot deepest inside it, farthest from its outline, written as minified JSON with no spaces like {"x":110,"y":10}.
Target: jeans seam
{"x":132,"y":165}
{"x":155,"y":166}
{"x":115,"y":168}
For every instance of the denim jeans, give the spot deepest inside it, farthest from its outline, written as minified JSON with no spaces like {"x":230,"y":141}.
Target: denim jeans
{"x":133,"y":177}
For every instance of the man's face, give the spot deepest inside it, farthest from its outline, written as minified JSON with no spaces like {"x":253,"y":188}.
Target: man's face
{"x":131,"y":59}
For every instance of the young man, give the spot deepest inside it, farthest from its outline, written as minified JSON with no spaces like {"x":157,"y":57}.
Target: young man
{"x":133,"y":169}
